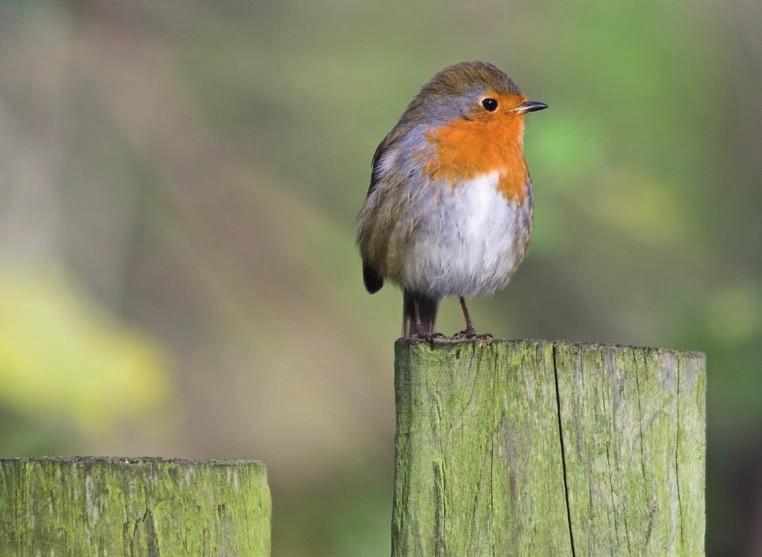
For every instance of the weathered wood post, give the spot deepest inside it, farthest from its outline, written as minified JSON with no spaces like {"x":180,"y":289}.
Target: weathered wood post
{"x":548,"y":448}
{"x":133,"y":507}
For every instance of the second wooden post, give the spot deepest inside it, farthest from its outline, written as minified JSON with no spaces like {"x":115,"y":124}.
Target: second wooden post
{"x":548,"y":448}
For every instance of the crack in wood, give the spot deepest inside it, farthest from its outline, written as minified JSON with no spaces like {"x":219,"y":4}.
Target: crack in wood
{"x":563,"y":451}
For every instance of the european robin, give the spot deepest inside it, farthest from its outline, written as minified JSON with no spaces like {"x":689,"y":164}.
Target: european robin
{"x":449,"y":208}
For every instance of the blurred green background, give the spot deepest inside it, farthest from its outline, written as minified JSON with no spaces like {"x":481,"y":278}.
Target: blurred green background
{"x":178,"y":186}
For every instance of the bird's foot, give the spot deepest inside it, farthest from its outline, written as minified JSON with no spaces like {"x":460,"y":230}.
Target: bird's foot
{"x":471,"y":334}
{"x":465,"y":334}
{"x":429,"y":337}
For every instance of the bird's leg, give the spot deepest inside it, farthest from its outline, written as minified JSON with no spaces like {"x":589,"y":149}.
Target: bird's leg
{"x":418,"y":325}
{"x":469,"y":331}
{"x":419,"y":331}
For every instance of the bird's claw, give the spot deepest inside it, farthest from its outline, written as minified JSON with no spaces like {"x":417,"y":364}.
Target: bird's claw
{"x":428,"y":337}
{"x":470,"y":334}
{"x":464,"y":335}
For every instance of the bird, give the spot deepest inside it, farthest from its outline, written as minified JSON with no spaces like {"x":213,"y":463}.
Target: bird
{"x":449,"y":207}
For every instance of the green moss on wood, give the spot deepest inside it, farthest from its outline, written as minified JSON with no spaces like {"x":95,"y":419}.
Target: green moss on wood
{"x":541,"y":448}
{"x":133,"y":507}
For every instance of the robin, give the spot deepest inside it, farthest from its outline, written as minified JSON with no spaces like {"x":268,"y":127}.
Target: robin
{"x":449,"y":208}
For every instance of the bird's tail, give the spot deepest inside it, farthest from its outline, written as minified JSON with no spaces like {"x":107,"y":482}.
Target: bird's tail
{"x":427,"y":312}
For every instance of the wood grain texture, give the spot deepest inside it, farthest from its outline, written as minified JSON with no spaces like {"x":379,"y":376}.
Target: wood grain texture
{"x":543,"y":448}
{"x":133,"y":507}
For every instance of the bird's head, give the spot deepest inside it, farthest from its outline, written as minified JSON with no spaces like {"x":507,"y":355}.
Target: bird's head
{"x":468,"y":120}
{"x":476,"y":92}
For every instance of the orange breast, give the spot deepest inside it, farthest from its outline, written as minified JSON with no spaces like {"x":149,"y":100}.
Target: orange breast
{"x":466,"y":149}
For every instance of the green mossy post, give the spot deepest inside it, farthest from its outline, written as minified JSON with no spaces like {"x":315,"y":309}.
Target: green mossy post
{"x":548,"y":448}
{"x":133,"y":507}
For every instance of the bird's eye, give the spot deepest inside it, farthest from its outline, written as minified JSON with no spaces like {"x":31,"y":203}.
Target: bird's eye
{"x":489,"y":104}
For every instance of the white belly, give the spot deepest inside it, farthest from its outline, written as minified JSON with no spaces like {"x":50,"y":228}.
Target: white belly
{"x":468,"y":241}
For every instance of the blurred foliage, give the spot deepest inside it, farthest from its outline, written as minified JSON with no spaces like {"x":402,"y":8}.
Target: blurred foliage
{"x":192,"y":171}
{"x":60,"y":359}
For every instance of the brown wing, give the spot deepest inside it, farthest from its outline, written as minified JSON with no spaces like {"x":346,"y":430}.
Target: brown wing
{"x":371,"y":277}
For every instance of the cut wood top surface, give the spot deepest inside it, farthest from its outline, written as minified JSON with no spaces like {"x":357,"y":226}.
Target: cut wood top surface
{"x":133,"y":506}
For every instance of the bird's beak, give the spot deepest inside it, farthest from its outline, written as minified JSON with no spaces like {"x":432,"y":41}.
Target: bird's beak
{"x":530,"y":106}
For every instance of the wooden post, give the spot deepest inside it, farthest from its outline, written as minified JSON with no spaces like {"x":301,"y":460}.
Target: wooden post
{"x":548,"y":448}
{"x":134,"y":507}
